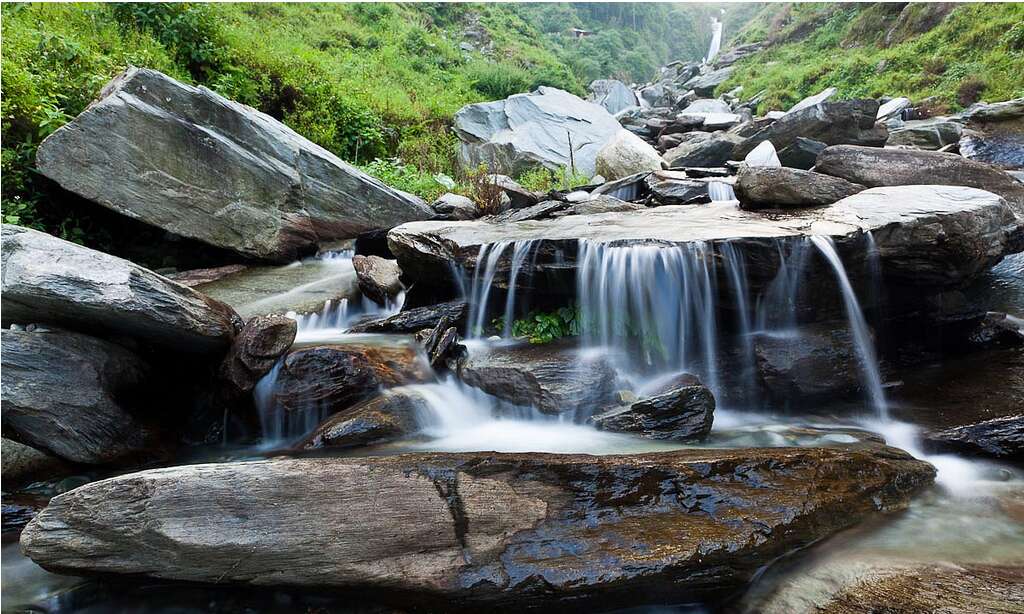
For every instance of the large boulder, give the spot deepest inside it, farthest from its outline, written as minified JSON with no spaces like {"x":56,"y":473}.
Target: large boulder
{"x":201,"y":166}
{"x":379,"y":278}
{"x":478,"y":529}
{"x":765,"y":186}
{"x":46,"y":279}
{"x":456,"y":207}
{"x":626,"y":154}
{"x":801,"y":153}
{"x":525,"y":131}
{"x":73,"y":395}
{"x":832,"y":123}
{"x":705,"y":85}
{"x":553,"y":378}
{"x":705,"y":150}
{"x":676,"y":188}
{"x":613,"y":95}
{"x":934,"y":133}
{"x":682,"y":413}
{"x":874,"y":166}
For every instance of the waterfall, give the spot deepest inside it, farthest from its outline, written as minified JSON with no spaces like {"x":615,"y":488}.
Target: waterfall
{"x":479,"y":290}
{"x":716,"y":40}
{"x":858,"y":328}
{"x":720,"y":191}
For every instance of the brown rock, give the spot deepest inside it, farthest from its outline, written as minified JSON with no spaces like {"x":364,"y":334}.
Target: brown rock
{"x":257,"y":347}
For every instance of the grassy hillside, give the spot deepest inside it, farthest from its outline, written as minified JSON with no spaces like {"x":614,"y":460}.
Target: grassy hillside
{"x":975,"y":52}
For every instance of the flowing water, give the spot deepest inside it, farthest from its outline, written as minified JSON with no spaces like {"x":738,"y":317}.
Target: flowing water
{"x":716,"y":40}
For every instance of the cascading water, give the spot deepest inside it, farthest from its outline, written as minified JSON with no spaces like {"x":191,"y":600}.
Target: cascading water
{"x":720,"y":191}
{"x":488,"y":260}
{"x":716,"y":40}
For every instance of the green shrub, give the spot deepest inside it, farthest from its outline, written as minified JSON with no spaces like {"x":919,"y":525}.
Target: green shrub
{"x":542,"y":179}
{"x":544,"y":327}
{"x":405,"y":177}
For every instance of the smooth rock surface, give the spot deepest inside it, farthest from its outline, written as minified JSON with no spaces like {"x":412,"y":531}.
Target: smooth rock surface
{"x":999,"y":438}
{"x":929,"y":134}
{"x":23,"y":464}
{"x":820,"y":363}
{"x":761,"y":187}
{"x":386,"y":417}
{"x":456,"y":206}
{"x":832,"y":123}
{"x":46,"y":279}
{"x":191,"y":162}
{"x":612,"y":94}
{"x":529,"y":130}
{"x":763,"y":155}
{"x":415,"y":319}
{"x":72,"y":396}
{"x":257,"y":347}
{"x":676,"y":188}
{"x":802,"y":153}
{"x":682,"y":413}
{"x":626,"y":154}
{"x":710,"y":150}
{"x":1002,"y":149}
{"x":379,"y":278}
{"x":518,"y":196}
{"x":477,"y":528}
{"x":704,"y":85}
{"x":814,"y":100}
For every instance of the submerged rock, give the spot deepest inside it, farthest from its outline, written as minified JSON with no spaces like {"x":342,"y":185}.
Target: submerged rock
{"x":552,"y":377}
{"x":626,"y":154}
{"x":73,"y":396}
{"x":529,"y":130}
{"x":479,"y":528}
{"x":761,"y":187}
{"x":193,"y":163}
{"x":46,"y":279}
{"x":832,"y":123}
{"x":681,"y":413}
{"x":379,"y":279}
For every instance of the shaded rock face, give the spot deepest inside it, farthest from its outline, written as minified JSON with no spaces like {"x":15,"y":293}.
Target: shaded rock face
{"x":676,"y":188}
{"x":704,"y":85}
{"x":682,"y":413}
{"x":409,"y":321}
{"x":506,"y":530}
{"x":329,"y":378}
{"x":379,"y":279}
{"x":200,"y":166}
{"x":518,"y":196}
{"x":926,"y":133}
{"x":612,"y":94}
{"x":456,"y":207}
{"x":626,"y":154}
{"x":551,"y":377}
{"x":1004,"y":150}
{"x":71,"y":395}
{"x":23,"y":464}
{"x":802,"y":153}
{"x":832,"y":123}
{"x":762,"y":187}
{"x":818,"y":364}
{"x":710,"y":150}
{"x":257,"y":347}
{"x":525,"y":131}
{"x":46,"y":279}
{"x":872,"y":166}
{"x":386,"y":417}
{"x":1000,"y":437}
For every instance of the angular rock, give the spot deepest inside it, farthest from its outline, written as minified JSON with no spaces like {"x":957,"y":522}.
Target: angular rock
{"x":529,"y":130}
{"x":409,"y":321}
{"x":626,"y":154}
{"x":1001,"y":437}
{"x":199,"y":277}
{"x":456,"y":206}
{"x":832,"y":123}
{"x":984,"y":112}
{"x":23,"y":464}
{"x":707,"y":105}
{"x":711,"y":150}
{"x":802,"y":153}
{"x":761,"y":187}
{"x":933,"y":133}
{"x":814,"y":100}
{"x":379,"y":279}
{"x":386,"y":417}
{"x":71,"y":395}
{"x":705,"y":85}
{"x":257,"y":347}
{"x":198,"y":165}
{"x":682,"y":413}
{"x":518,"y":196}
{"x":46,"y":279}
{"x":763,"y":155}
{"x":892,"y":108}
{"x":613,"y":95}
{"x":873,"y":166}
{"x":731,"y":56}
{"x":675,"y":188}
{"x":478,"y":529}
{"x":551,"y":377}
{"x":820,"y":363}
{"x":1005,"y":150}
{"x":539,"y":211}
{"x":630,"y":188}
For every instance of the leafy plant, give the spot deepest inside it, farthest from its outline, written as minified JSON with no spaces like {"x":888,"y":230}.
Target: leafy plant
{"x":395,"y":173}
{"x":545,"y":327}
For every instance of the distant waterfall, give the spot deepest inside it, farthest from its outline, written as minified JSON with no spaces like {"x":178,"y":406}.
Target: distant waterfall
{"x":716,"y":40}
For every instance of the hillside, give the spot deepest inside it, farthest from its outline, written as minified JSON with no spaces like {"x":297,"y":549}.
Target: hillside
{"x":953,"y":54}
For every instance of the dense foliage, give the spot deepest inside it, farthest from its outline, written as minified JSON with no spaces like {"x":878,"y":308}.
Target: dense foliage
{"x":972,"y":53}
{"x":544,"y":327}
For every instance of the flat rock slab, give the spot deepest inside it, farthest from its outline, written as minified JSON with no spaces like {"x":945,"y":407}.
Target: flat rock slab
{"x":976,"y":228}
{"x":196,"y":164}
{"x":481,"y":528}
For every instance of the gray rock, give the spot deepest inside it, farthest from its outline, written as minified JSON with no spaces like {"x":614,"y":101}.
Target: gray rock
{"x":705,"y":85}
{"x":480,"y":529}
{"x":1002,"y":149}
{"x":892,"y":108}
{"x":552,"y":377}
{"x":763,"y":155}
{"x":675,"y":188}
{"x":926,"y":133}
{"x":818,"y":364}
{"x":613,"y":95}
{"x":537,"y":212}
{"x":995,"y":112}
{"x":628,"y":188}
{"x":626,"y":154}
{"x":711,"y":150}
{"x":600,"y":204}
{"x":46,"y":279}
{"x":519,"y":197}
{"x":529,"y":130}
{"x":731,"y":56}
{"x":71,"y":395}
{"x":409,"y":321}
{"x":389,"y":416}
{"x":1001,"y":437}
{"x":683,"y":413}
{"x":707,"y":105}
{"x":257,"y":347}
{"x":764,"y":186}
{"x":456,"y":206}
{"x":23,"y":464}
{"x":379,"y":279}
{"x":814,"y":100}
{"x":200,"y":166}
{"x":832,"y":123}
{"x":872,"y":166}
{"x":802,"y":153}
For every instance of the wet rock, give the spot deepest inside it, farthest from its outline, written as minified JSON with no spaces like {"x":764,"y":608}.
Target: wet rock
{"x":997,"y":330}
{"x":600,"y":204}
{"x":478,"y":529}
{"x":552,"y":377}
{"x":613,"y":95}
{"x":72,"y":396}
{"x":626,"y":154}
{"x":818,"y":364}
{"x":257,"y":347}
{"x":456,"y":207}
{"x":812,"y":101}
{"x":441,"y":343}
{"x":329,"y":378}
{"x":1001,"y":437}
{"x":529,"y":130}
{"x":832,"y":123}
{"x":630,"y":188}
{"x":23,"y":464}
{"x":1005,"y":150}
{"x":198,"y":277}
{"x":802,"y":153}
{"x":46,"y":279}
{"x":409,"y":321}
{"x":195,"y":164}
{"x":931,"y":134}
{"x":762,"y":187}
{"x":873,"y":166}
{"x":379,"y":279}
{"x":537,"y":212}
{"x":705,"y":85}
{"x":709,"y":150}
{"x":984,"y":112}
{"x":675,"y":188}
{"x":386,"y":417}
{"x":682,"y":413}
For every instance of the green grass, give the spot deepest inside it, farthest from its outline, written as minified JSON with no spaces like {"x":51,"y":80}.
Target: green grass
{"x":844,"y":46}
